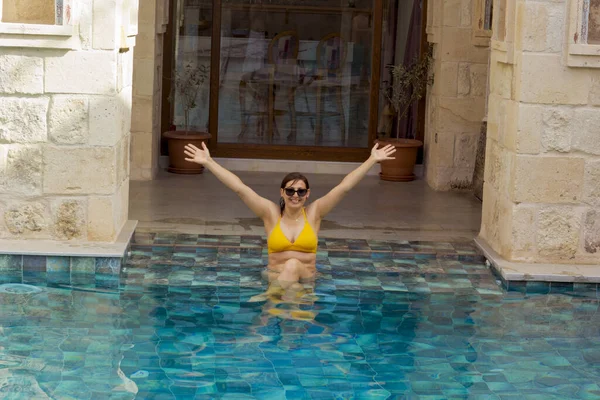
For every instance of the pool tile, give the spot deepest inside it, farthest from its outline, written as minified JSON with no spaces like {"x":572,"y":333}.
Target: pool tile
{"x":108,"y":282}
{"x":34,"y":278}
{"x":83,"y":280}
{"x":561,"y":287}
{"x":537,"y":287}
{"x":83,"y":265}
{"x":34,"y":263}
{"x":584,"y":287}
{"x":517,"y":286}
{"x":10,"y":263}
{"x":11,"y":277}
{"x":58,"y":279}
{"x":58,"y":264}
{"x":107,"y":266}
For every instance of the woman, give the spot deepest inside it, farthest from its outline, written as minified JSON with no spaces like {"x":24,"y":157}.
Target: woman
{"x":291,"y":227}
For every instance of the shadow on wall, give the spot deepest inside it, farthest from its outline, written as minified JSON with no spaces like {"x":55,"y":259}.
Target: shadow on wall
{"x":478,"y":173}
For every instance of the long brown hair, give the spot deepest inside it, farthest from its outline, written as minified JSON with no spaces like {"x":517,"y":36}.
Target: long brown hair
{"x":293,"y":177}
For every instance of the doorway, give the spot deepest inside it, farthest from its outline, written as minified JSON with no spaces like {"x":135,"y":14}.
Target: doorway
{"x":288,"y":79}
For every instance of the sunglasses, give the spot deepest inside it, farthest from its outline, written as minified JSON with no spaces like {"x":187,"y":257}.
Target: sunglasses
{"x":290,"y":192}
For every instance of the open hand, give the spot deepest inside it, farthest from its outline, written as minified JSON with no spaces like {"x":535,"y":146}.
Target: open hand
{"x":384,"y":153}
{"x":196,"y":155}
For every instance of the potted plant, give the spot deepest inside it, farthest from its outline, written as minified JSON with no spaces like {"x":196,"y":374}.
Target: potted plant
{"x":408,"y":85}
{"x":186,"y":86}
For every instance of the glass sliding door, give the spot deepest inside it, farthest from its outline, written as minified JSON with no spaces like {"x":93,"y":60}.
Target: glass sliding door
{"x":192,"y":23}
{"x":287,"y":78}
{"x":295,"y":73}
{"x":402,"y":45}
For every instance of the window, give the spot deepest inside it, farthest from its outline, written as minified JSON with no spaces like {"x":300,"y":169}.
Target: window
{"x":482,"y":22}
{"x":38,"y":23}
{"x":584,"y":34}
{"x":40,"y":12}
{"x":487,"y":15}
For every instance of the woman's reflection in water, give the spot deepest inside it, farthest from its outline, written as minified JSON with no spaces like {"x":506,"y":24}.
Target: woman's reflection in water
{"x":289,"y":302}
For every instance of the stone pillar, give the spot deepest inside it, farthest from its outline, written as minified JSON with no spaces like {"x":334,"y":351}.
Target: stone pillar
{"x":542,"y":176}
{"x":456,"y":102}
{"x":64,"y":132}
{"x":147,"y":89}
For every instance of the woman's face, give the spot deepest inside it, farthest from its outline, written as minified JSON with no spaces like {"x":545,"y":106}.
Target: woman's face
{"x":295,"y":194}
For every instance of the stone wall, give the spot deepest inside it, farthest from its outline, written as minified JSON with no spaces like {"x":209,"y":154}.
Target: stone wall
{"x":147,"y":89}
{"x":542,"y":177}
{"x":456,"y":102}
{"x":64,"y":130}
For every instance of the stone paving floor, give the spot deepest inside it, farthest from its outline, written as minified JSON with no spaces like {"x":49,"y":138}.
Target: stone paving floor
{"x":374,"y":209}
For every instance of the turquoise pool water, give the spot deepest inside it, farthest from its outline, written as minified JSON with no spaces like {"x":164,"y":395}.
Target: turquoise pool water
{"x":384,"y":321}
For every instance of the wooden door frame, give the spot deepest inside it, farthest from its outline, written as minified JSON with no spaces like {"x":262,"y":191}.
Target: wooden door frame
{"x":168,"y":61}
{"x":422,"y":105}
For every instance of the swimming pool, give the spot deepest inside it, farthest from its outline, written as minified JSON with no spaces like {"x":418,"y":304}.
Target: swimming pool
{"x":385,"y":320}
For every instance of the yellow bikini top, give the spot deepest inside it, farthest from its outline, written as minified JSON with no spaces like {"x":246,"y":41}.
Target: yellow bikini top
{"x":306,"y":241}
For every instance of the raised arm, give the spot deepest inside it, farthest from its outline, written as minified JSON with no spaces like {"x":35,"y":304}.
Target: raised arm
{"x":259,"y":205}
{"x":326,"y":203}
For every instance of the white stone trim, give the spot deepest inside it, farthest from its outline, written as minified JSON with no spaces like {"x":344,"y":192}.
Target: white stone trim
{"x":268,"y":165}
{"x":35,"y":29}
{"x":434,"y":20}
{"x":129,"y":24}
{"x":481,"y":37}
{"x":521,"y":271}
{"x":308,"y":167}
{"x":504,"y":47}
{"x":162,"y":10}
{"x":585,"y":49}
{"x":132,"y":18}
{"x":46,"y":41}
{"x":505,"y":52}
{"x":71,"y":248}
{"x":579,"y":53}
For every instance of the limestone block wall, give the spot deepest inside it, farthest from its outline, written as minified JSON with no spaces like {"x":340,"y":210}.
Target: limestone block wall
{"x":64,"y":129}
{"x":147,"y":89}
{"x":456,"y":102}
{"x":542,"y":177}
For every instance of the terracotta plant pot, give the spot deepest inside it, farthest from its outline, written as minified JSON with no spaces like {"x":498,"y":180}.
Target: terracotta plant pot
{"x":402,"y":168}
{"x":177,"y":141}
